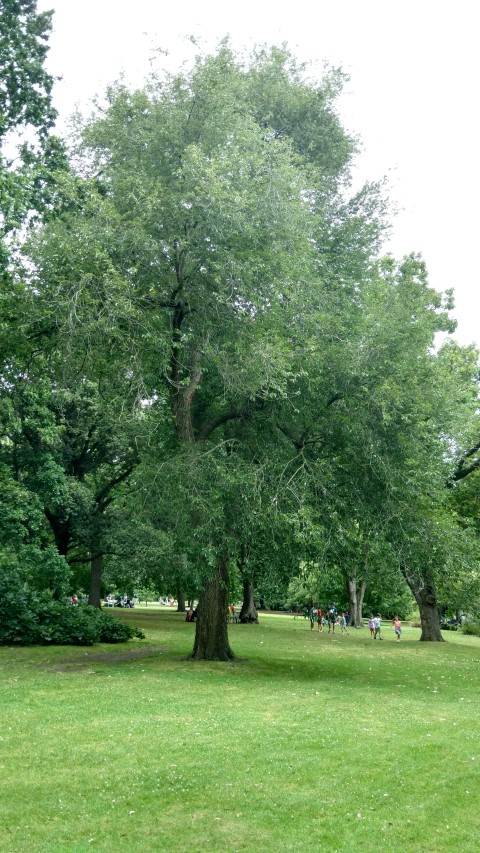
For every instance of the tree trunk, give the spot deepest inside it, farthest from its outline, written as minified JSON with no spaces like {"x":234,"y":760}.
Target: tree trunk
{"x":95,"y":580}
{"x":248,"y":612}
{"x":426,"y":598}
{"x":356,"y":595}
{"x":211,"y":632}
{"x":181,"y":601}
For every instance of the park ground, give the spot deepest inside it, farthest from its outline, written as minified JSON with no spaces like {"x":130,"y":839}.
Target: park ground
{"x":309,"y":742}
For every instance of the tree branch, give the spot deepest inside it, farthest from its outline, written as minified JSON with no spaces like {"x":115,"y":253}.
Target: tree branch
{"x":223,"y":418}
{"x":460,"y":472}
{"x":101,"y":499}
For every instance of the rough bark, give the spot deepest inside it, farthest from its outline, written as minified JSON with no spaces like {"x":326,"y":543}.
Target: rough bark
{"x":248,"y":612}
{"x":426,"y":598}
{"x":211,"y":631}
{"x":356,"y":595}
{"x":96,"y":564}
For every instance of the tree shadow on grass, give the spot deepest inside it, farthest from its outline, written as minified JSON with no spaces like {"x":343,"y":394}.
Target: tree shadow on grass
{"x":85,"y":659}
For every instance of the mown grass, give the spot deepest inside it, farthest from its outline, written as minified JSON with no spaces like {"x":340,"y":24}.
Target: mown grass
{"x":312,"y":743}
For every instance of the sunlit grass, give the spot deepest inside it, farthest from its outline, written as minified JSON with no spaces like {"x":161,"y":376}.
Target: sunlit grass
{"x":311,"y":742}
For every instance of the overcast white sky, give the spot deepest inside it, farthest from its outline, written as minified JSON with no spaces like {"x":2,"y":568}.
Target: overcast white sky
{"x":412,"y":96}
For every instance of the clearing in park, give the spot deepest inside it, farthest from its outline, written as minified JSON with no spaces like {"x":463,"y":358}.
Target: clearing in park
{"x":312,"y":741}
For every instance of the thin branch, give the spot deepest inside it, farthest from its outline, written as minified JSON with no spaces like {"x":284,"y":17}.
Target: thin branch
{"x":101,"y":498}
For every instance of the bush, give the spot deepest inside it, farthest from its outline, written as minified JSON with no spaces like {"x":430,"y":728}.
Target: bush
{"x":471,"y":627}
{"x":18,"y":622}
{"x":114,"y":631}
{"x":29,"y":619}
{"x":64,"y":625}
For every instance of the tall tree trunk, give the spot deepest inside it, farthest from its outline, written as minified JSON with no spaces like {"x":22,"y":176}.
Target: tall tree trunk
{"x":211,"y":631}
{"x":248,"y":612}
{"x":96,"y":564}
{"x":426,"y":597}
{"x":356,"y":594}
{"x":181,"y":601}
{"x":211,"y":634}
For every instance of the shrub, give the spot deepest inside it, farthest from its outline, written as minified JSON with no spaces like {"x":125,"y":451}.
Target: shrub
{"x":28,"y":618}
{"x":471,"y":627}
{"x":114,"y":631}
{"x":60,"y":624}
{"x":18,"y":622}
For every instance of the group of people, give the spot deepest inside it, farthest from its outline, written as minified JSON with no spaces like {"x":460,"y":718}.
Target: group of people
{"x":375,"y":626}
{"x":232,"y":615}
{"x":330,"y":618}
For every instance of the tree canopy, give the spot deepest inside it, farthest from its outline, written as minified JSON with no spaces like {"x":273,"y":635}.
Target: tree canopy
{"x":208,"y":367}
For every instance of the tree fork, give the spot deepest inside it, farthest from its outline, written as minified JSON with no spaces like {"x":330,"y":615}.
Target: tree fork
{"x":426,"y":598}
{"x":356,"y":595}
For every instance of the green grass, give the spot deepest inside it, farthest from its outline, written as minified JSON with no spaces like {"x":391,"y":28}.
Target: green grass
{"x":313,"y":743}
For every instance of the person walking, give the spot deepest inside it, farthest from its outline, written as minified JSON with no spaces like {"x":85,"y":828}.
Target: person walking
{"x":343,"y":623}
{"x":371,"y":625}
{"x":397,"y":627}
{"x":320,"y":619}
{"x":313,"y":617}
{"x":331,"y":619}
{"x":378,"y":627}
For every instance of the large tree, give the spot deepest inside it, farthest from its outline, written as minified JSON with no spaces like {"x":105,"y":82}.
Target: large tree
{"x":207,"y":272}
{"x":214,"y":190}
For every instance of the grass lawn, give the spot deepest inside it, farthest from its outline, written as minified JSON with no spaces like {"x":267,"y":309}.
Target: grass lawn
{"x":312,"y":743}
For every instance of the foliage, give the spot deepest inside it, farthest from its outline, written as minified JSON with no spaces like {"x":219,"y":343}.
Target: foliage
{"x":206,"y":359}
{"x":27,"y":181}
{"x":29,"y":618}
{"x":25,"y":84}
{"x":471,"y":627}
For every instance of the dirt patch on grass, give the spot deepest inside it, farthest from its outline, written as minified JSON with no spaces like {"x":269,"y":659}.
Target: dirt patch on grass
{"x":81,"y":662}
